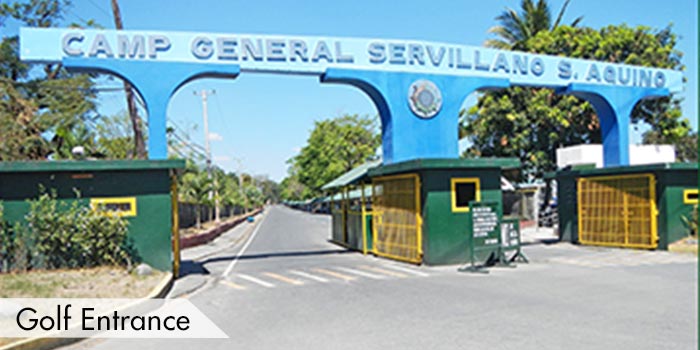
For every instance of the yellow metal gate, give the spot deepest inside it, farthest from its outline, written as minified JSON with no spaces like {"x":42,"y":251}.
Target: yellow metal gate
{"x":396,"y":222}
{"x":618,"y":211}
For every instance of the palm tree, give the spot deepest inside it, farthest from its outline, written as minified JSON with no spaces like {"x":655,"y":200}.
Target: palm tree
{"x":194,"y":188}
{"x":516,"y":28}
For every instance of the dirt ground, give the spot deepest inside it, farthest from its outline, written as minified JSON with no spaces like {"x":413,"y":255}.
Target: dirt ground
{"x":100,"y":282}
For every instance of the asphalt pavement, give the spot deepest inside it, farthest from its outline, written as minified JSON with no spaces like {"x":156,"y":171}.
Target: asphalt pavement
{"x":279,"y":284}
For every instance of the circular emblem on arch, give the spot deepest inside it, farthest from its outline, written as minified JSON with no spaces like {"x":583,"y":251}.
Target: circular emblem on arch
{"x":424,"y":98}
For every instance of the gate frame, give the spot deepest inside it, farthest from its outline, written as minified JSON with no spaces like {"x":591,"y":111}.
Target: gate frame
{"x":653,"y":209}
{"x":419,"y":218}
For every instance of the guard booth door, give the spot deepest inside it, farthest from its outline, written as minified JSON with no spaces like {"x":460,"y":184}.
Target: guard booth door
{"x":396,"y":220}
{"x":618,"y":211}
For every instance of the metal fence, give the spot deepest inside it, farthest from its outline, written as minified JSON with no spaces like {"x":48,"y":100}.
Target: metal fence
{"x":618,"y":211}
{"x":397,"y":220}
{"x":338,"y":214}
{"x":187,"y":213}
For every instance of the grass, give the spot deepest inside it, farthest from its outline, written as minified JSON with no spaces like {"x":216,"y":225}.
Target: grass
{"x":99,"y":282}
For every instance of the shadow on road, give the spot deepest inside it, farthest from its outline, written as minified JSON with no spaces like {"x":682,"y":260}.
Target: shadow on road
{"x":189,"y":267}
{"x":278,"y":255}
{"x":545,"y":241}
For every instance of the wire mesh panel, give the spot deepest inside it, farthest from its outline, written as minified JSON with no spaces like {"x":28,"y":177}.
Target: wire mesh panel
{"x":397,"y":221}
{"x":617,"y":211}
{"x":338,"y":217}
{"x":354,"y":229}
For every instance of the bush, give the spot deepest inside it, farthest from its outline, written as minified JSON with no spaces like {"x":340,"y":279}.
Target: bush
{"x":56,"y":234}
{"x":691,"y":221}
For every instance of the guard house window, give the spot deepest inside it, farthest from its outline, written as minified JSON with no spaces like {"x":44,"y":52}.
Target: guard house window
{"x":690,"y":196}
{"x":465,"y":190}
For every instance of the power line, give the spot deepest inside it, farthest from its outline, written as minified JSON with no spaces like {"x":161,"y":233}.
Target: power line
{"x":101,"y":9}
{"x":76,"y":16}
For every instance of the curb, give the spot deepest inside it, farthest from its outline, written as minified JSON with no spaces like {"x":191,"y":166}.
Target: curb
{"x":214,"y":232}
{"x":160,"y":291}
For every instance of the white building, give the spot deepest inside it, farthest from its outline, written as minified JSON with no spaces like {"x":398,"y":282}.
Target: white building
{"x":593,"y":154}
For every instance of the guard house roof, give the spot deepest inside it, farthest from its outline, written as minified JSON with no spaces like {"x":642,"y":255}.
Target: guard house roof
{"x":627,"y":169}
{"x":89,"y":165}
{"x":423,"y":164}
{"x":352,"y":176}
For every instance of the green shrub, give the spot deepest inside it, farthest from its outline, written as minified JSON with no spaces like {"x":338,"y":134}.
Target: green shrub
{"x":57,"y":234}
{"x":691,"y":221}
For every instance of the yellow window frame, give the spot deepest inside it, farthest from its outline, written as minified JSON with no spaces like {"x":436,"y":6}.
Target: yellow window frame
{"x":686,"y":196}
{"x":96,"y":202}
{"x":462,"y":180}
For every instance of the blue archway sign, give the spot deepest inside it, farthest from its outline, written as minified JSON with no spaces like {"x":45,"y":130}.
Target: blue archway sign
{"x":417,"y":86}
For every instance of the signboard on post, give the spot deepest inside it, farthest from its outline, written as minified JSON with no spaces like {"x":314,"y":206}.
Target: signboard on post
{"x":510,"y":240}
{"x":486,"y":235}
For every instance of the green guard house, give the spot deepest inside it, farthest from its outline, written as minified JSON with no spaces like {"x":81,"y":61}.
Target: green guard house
{"x":143,"y":191}
{"x":415,"y":211}
{"x":642,"y":206}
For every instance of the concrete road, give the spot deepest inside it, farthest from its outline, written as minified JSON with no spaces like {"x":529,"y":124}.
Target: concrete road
{"x":281,"y":285}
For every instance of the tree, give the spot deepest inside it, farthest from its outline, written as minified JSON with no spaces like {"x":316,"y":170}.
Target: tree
{"x":531,"y":123}
{"x":686,"y":146}
{"x":139,"y":142}
{"x":67,"y":139}
{"x":292,"y":189}
{"x":334,"y":147}
{"x":230,"y":192}
{"x":515,"y":29}
{"x":270,"y":189}
{"x":114,"y":139}
{"x":37,"y":100}
{"x":194,"y":188}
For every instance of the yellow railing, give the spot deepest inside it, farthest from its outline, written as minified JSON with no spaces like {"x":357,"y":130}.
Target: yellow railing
{"x":175,"y":226}
{"x":618,"y":211}
{"x":396,"y":220}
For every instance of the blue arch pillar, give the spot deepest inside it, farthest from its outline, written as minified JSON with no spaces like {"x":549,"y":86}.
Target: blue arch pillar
{"x":406,"y":136}
{"x":156,"y":82}
{"x":614,"y":105}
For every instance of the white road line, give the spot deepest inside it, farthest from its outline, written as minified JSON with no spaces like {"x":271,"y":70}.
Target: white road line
{"x":255,"y":280}
{"x":360,"y":273}
{"x":252,"y":236}
{"x":309,"y":276}
{"x":335,"y":274}
{"x":383,"y":271}
{"x":407,"y":270}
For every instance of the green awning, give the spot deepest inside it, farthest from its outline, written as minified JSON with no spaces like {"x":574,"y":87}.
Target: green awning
{"x":352,"y":176}
{"x":458,"y":163}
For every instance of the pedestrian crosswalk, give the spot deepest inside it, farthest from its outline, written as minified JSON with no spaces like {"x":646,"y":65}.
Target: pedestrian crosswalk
{"x":319,"y":276}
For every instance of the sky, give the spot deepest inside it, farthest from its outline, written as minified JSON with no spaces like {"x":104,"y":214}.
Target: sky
{"x":259,"y":121}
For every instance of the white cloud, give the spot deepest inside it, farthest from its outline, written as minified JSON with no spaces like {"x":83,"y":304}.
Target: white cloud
{"x":215,"y":137}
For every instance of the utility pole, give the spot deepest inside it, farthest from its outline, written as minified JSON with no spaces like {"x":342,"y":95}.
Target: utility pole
{"x":139,"y":145}
{"x":244,"y":196}
{"x":205,"y":116}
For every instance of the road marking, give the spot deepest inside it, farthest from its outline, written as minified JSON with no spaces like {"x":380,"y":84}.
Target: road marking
{"x":283,"y":278}
{"x":386,"y":272}
{"x":407,"y":270}
{"x":255,"y":280}
{"x":232,"y":285}
{"x":335,"y":274}
{"x":361,"y":273}
{"x":233,"y":262}
{"x":309,"y":276}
